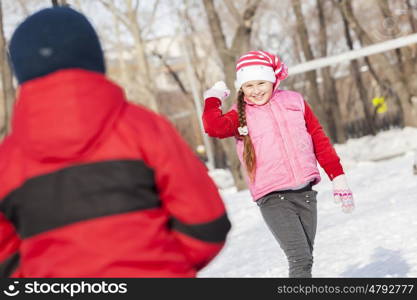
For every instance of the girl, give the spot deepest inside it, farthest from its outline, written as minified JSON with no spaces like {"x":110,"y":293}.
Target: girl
{"x":279,"y":140}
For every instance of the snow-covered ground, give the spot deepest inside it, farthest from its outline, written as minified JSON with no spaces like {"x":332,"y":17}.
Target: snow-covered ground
{"x":379,"y":239}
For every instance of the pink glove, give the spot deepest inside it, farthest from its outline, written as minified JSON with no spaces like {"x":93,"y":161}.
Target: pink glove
{"x":343,"y":194}
{"x":219,"y":90}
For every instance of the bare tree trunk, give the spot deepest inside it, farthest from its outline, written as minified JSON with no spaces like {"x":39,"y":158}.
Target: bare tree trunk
{"x":394,"y":75}
{"x":403,"y":54}
{"x":193,"y":121}
{"x":363,"y":95}
{"x":59,"y":2}
{"x":228,"y":57}
{"x":130,"y":20}
{"x":330,"y":96}
{"x":411,"y":18}
{"x":124,"y":76}
{"x":8,"y":92}
{"x":413,"y":27}
{"x":240,"y":42}
{"x":315,"y":99}
{"x":143,"y":64}
{"x":385,"y":86}
{"x":198,"y":66}
{"x":171,"y":72}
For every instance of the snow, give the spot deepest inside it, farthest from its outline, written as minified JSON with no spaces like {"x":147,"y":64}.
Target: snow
{"x":377,"y":240}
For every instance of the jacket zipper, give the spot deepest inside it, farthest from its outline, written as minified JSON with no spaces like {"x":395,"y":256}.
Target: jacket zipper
{"x":284,"y":141}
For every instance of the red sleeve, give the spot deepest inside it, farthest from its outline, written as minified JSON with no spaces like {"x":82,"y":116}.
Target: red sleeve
{"x":9,"y":248}
{"x":9,"y":239}
{"x":325,"y":153}
{"x":217,"y":124}
{"x":198,"y":217}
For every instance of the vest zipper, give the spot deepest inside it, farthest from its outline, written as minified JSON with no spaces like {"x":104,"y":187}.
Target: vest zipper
{"x":284,"y":142}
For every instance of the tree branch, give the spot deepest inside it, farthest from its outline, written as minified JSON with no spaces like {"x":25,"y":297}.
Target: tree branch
{"x":171,"y":71}
{"x":216,"y":30}
{"x":246,"y":27}
{"x":118,"y":13}
{"x":234,"y":12}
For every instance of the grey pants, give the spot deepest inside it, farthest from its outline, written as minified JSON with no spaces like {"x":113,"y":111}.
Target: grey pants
{"x":292,"y":218}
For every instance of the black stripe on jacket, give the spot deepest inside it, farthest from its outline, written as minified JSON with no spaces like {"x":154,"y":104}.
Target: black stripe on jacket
{"x":8,"y":266}
{"x":214,"y":231}
{"x":79,"y":193}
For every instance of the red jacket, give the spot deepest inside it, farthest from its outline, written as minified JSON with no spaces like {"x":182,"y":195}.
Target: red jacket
{"x":221,"y":125}
{"x":93,"y":186}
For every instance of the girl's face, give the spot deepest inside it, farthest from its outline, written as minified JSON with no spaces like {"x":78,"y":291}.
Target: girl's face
{"x":257,"y":91}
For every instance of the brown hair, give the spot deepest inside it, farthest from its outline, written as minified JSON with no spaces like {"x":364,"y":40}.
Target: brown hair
{"x":249,"y":156}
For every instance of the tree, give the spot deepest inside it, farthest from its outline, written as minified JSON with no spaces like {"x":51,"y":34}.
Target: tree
{"x":360,"y":86}
{"x":315,"y":99}
{"x":196,"y":42}
{"x":129,"y":18}
{"x":241,"y":38}
{"x":396,"y":79}
{"x":330,"y":95}
{"x":59,"y":2}
{"x":228,"y":56}
{"x":403,"y":55}
{"x":8,"y":92}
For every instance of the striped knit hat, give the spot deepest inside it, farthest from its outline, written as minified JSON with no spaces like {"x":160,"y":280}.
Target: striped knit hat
{"x":260,"y":65}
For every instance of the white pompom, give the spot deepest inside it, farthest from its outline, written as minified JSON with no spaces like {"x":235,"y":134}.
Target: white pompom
{"x":220,"y":85}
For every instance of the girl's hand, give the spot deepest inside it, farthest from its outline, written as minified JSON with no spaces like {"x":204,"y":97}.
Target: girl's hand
{"x":219,"y":90}
{"x":343,"y":194}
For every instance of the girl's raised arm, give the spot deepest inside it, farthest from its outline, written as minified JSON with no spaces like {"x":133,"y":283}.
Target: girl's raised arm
{"x":217,"y":124}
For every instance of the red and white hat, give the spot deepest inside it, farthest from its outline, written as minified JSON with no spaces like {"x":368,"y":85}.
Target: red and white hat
{"x":260,"y":65}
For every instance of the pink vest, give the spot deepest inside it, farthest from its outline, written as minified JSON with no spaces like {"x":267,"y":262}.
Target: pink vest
{"x":284,"y":149}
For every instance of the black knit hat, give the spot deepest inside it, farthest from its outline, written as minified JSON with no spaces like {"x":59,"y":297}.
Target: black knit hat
{"x":53,"y":39}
